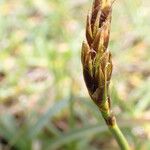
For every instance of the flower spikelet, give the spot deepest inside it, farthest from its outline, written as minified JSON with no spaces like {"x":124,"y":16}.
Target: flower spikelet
{"x":95,"y":57}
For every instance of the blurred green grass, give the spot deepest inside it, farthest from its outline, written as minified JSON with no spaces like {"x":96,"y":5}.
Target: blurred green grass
{"x":43,"y":100}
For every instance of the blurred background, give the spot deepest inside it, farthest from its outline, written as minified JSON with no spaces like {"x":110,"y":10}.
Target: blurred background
{"x":44,"y":104}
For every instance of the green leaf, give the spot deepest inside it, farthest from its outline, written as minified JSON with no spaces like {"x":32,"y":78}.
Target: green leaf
{"x":44,"y":119}
{"x":76,"y":134}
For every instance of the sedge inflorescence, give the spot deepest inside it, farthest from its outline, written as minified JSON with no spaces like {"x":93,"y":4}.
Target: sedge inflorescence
{"x":95,"y":57}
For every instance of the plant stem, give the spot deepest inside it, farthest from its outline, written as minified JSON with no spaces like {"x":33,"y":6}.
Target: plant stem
{"x":113,"y":127}
{"x":121,"y":140}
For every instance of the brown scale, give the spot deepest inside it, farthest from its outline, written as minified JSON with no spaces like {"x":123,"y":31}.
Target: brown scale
{"x":104,"y":15}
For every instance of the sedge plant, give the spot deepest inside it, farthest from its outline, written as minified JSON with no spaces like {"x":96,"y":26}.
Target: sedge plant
{"x":97,"y":64}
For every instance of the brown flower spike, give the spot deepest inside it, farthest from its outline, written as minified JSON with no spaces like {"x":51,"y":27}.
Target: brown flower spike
{"x":96,"y":59}
{"x":97,"y":64}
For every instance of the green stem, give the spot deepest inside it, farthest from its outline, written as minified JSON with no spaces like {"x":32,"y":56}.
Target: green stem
{"x":110,"y":120}
{"x":112,"y":125}
{"x":121,"y":140}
